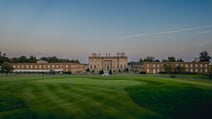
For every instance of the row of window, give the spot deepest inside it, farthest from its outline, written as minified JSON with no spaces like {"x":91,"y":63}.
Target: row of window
{"x":39,"y":66}
{"x":186,"y":65}
{"x":97,"y":67}
{"x":187,"y":70}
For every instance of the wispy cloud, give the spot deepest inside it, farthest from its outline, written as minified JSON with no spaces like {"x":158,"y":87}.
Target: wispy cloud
{"x":133,"y":36}
{"x":174,"y":31}
{"x":169,"y":32}
{"x":204,"y":32}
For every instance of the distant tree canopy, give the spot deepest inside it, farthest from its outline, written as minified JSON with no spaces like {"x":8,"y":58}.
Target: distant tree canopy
{"x":140,"y":61}
{"x":172,"y":59}
{"x":3,"y":58}
{"x":149,"y":59}
{"x":6,"y":68}
{"x":152,"y":59}
{"x":157,"y":60}
{"x":204,"y":57}
{"x":32,"y":59}
{"x":180,"y":60}
{"x":172,"y":70}
{"x":23,"y":59}
{"x":54,"y":59}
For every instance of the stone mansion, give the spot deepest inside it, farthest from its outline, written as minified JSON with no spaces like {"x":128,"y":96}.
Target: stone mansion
{"x":107,"y":62}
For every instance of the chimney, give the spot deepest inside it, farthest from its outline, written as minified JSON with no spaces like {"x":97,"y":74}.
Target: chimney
{"x":93,"y":54}
{"x":118,"y":54}
{"x":122,"y":54}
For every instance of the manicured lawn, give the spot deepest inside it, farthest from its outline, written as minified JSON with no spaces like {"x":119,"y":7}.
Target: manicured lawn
{"x":103,"y":97}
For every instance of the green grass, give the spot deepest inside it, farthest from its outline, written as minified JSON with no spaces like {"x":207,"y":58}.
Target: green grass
{"x":118,"y":97}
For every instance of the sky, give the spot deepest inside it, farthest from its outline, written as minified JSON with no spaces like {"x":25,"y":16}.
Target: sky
{"x":76,"y":28}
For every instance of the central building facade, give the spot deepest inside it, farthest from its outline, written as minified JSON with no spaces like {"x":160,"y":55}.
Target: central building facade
{"x":107,"y":62}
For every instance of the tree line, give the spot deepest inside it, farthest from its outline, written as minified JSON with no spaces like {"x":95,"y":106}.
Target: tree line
{"x":33,"y":59}
{"x":6,"y":67}
{"x":203,"y":57}
{"x":54,"y":59}
{"x":152,"y":59}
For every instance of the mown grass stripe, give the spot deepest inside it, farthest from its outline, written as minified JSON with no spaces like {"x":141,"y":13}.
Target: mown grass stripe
{"x":60,"y":102}
{"x":84,"y":92}
{"x":85,"y":102}
{"x":106,"y":104}
{"x":62,"y":97}
{"x":52,"y":102}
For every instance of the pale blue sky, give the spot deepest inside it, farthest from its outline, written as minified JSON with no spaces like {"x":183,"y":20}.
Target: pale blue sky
{"x":76,"y":28}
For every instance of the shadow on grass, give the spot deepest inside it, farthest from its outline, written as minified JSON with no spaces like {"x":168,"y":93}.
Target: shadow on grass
{"x":174,"y":101}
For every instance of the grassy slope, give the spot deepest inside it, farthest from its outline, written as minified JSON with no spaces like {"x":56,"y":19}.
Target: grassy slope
{"x":176,"y":98}
{"x":103,"y":97}
{"x":65,"y":97}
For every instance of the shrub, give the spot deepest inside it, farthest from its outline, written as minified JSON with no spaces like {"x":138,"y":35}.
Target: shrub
{"x":126,"y":70}
{"x":87,"y":70}
{"x":110,"y":72}
{"x":142,"y":72}
{"x":101,"y":72}
{"x":67,"y":72}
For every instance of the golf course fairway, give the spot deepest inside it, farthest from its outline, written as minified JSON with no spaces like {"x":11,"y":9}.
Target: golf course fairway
{"x":104,"y":97}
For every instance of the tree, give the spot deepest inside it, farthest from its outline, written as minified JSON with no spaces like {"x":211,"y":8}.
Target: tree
{"x":6,"y":68}
{"x":126,"y":70}
{"x":179,"y":70}
{"x":32,"y":59}
{"x":3,"y":58}
{"x":4,"y":54}
{"x":140,"y":61}
{"x":54,"y":59}
{"x":67,"y":72}
{"x":44,"y":58}
{"x":52,"y":71}
{"x":87,"y":70}
{"x":170,"y":69}
{"x":14,"y":60}
{"x":110,"y":72}
{"x":148,"y":59}
{"x":22,"y":59}
{"x":204,"y":57}
{"x":101,"y":72}
{"x":180,"y":60}
{"x":164,"y":60}
{"x":157,"y":60}
{"x":171,"y":59}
